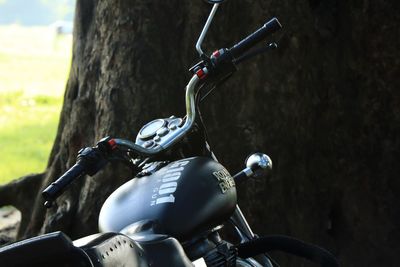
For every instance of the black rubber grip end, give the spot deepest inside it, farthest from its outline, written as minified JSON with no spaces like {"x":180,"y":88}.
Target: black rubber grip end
{"x":268,"y":28}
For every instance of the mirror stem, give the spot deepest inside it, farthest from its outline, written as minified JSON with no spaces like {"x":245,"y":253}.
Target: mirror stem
{"x":205,"y":29}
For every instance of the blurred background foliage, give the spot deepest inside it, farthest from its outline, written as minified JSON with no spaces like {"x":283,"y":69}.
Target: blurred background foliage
{"x":35,"y":12}
{"x":34,"y":65}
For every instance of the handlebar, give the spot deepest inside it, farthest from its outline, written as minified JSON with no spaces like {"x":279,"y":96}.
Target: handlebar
{"x":222,"y":63}
{"x":56,"y":188}
{"x":89,"y":161}
{"x":268,"y":28}
{"x":178,"y":134}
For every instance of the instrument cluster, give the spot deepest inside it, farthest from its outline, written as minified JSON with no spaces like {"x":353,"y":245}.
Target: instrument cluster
{"x":158,"y":131}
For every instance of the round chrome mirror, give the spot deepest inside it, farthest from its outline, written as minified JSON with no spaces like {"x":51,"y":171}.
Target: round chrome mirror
{"x":214,"y":1}
{"x":259,"y":163}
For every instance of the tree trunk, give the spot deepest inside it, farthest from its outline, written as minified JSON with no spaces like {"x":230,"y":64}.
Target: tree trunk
{"x":324,"y":106}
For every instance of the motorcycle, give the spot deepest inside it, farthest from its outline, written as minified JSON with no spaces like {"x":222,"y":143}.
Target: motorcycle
{"x":172,"y":212}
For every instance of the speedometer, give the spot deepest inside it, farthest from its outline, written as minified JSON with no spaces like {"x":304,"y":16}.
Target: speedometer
{"x":150,"y":129}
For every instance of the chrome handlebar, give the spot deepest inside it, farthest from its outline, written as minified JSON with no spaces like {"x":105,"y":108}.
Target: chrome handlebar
{"x":178,"y":134}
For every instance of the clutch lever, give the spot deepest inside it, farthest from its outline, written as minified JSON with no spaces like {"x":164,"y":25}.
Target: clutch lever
{"x":255,"y":52}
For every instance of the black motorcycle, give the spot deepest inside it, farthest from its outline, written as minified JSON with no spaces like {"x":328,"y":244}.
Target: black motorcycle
{"x":172,"y":212}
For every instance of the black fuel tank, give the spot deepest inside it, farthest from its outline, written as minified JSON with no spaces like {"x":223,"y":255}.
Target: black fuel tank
{"x":185,"y":198}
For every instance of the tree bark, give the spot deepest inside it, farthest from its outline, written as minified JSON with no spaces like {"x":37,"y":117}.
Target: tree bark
{"x":324,"y":106}
{"x":18,"y":193}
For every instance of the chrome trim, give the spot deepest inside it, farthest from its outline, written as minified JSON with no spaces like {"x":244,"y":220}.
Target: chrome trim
{"x":248,"y":171}
{"x":246,"y":234}
{"x":169,"y":140}
{"x":190,"y":115}
{"x":249,"y":262}
{"x":162,"y":131}
{"x":205,"y":29}
{"x":146,"y":136}
{"x":259,"y":163}
{"x":240,"y":221}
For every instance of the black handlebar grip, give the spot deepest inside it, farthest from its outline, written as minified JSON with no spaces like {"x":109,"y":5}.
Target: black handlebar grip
{"x":56,"y":188}
{"x":270,"y":27}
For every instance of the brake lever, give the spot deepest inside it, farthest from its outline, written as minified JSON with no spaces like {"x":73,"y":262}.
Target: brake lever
{"x":255,"y":52}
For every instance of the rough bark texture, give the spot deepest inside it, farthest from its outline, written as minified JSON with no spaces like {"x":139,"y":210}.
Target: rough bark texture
{"x":19,"y":193}
{"x":324,"y":107}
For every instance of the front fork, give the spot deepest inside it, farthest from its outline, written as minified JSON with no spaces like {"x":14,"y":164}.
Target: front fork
{"x":246,"y":234}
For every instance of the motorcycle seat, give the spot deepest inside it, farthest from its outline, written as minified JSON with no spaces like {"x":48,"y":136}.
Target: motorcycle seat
{"x":53,"y":249}
{"x":98,"y":250}
{"x":160,"y":249}
{"x":141,"y":249}
{"x":163,"y":250}
{"x":112,"y":250}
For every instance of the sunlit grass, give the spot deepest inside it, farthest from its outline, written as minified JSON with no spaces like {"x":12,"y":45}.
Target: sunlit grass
{"x":34,"y":65}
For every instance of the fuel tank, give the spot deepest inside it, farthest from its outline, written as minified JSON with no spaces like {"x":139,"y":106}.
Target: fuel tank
{"x":184,"y":198}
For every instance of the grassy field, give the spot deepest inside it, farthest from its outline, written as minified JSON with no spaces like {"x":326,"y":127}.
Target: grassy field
{"x":34,"y":66}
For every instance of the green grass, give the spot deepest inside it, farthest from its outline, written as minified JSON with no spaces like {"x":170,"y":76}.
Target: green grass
{"x":34,"y":65}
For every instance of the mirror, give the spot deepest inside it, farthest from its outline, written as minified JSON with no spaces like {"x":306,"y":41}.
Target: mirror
{"x":259,"y":163}
{"x":214,"y":1}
